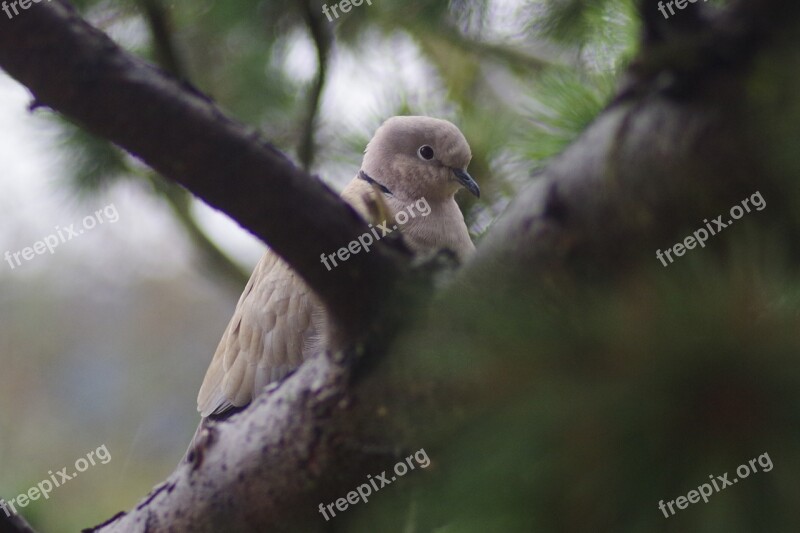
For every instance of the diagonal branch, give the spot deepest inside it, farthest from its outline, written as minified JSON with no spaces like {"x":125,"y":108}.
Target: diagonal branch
{"x":78,"y":71}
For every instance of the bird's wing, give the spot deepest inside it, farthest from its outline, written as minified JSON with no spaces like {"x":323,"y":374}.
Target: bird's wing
{"x":277,"y":323}
{"x":271,"y":332}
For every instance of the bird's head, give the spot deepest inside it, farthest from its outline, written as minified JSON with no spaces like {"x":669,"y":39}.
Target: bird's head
{"x":420,"y":157}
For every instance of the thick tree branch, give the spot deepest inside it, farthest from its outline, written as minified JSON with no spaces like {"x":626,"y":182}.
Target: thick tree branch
{"x":229,"y":481}
{"x":681,"y":141}
{"x":78,"y":71}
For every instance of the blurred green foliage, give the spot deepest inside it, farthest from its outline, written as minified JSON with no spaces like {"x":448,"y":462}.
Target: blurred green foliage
{"x":602,"y":401}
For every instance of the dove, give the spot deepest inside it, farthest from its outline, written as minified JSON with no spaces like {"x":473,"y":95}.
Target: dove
{"x":279,"y":321}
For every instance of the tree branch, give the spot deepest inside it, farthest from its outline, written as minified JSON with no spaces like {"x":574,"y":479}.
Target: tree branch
{"x":78,"y":71}
{"x":675,"y":125}
{"x":323,"y":39}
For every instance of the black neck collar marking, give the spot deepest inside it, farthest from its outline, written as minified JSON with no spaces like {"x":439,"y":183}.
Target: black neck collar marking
{"x":366,"y":177}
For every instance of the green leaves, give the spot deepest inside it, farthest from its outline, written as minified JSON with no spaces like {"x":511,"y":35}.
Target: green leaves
{"x":565,"y":102}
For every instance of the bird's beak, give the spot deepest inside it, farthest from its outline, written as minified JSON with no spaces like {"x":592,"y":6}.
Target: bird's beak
{"x":463,"y":177}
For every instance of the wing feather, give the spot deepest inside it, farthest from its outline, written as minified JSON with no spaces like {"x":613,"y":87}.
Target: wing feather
{"x":268,"y":336}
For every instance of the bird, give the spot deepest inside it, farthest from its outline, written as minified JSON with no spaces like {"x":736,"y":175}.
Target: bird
{"x":279,"y":321}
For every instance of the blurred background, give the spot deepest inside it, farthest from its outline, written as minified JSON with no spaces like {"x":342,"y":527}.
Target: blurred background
{"x":107,"y":340}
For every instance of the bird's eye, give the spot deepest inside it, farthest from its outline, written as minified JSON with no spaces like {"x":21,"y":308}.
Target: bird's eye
{"x":425,"y":152}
